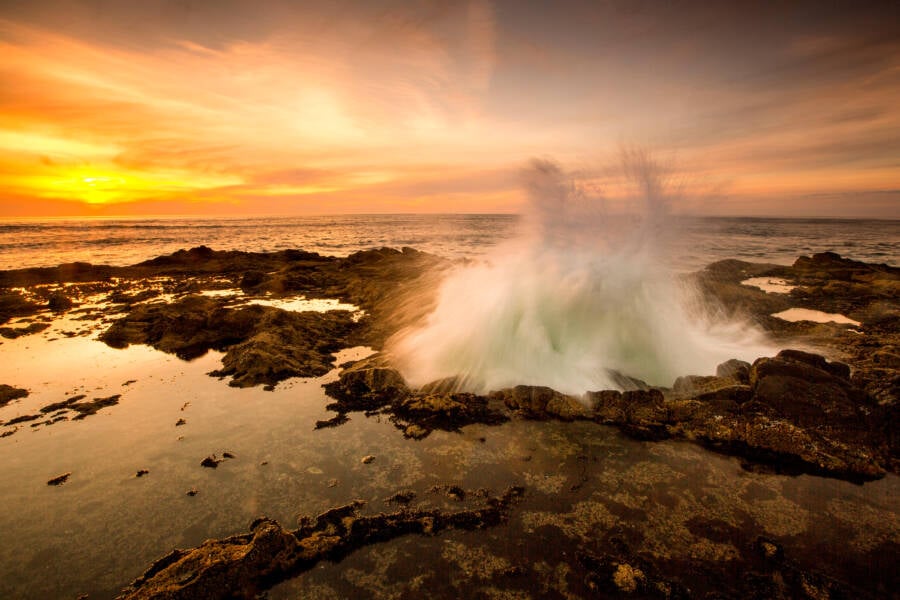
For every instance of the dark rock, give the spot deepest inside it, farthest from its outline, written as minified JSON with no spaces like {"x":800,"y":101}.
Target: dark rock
{"x":211,"y":462}
{"x":607,"y":406}
{"x":645,"y":415}
{"x":835,"y":368}
{"x":368,"y":384}
{"x":122,"y":297}
{"x":22,"y":419}
{"x":62,"y":405}
{"x":9,"y":393}
{"x":15,"y":305}
{"x":626,"y":382}
{"x":404,"y":497}
{"x":448,"y":412}
{"x":538,"y":402}
{"x":804,"y":388}
{"x":262,"y":345}
{"x":180,"y":422}
{"x":12,"y":333}
{"x":192,"y":492}
{"x":447,"y":385}
{"x":86,"y":409}
{"x":59,"y":479}
{"x":738,"y":370}
{"x":141,"y":472}
{"x":737,"y":394}
{"x":338,"y":419}
{"x":244,"y":565}
{"x":252,"y":279}
{"x":59,"y":302}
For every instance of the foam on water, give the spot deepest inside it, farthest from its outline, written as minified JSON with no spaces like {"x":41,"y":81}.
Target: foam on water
{"x":577,"y":299}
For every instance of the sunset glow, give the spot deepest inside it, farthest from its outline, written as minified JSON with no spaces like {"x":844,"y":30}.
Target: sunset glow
{"x":270,"y":108}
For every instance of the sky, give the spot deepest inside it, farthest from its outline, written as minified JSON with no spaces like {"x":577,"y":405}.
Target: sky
{"x":281,"y":107}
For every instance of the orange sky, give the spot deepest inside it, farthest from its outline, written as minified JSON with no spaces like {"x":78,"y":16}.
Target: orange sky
{"x":181,"y":107}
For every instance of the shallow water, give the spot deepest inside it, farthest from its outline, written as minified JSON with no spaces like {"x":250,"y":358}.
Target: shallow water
{"x":771,"y":285}
{"x":816,"y":316}
{"x":584,"y":483}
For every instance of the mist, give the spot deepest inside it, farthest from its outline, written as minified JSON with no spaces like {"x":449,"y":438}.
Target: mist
{"x":581,"y":300}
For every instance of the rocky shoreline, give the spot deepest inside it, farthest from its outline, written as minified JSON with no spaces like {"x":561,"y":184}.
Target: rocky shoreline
{"x":797,"y":412}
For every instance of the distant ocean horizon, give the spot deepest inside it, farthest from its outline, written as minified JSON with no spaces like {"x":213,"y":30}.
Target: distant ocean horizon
{"x":696,"y":241}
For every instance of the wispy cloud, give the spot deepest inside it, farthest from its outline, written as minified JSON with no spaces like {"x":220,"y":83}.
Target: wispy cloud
{"x":315,"y":106}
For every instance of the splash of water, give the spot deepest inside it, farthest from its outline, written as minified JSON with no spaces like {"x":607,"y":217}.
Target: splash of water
{"x":575,"y":302}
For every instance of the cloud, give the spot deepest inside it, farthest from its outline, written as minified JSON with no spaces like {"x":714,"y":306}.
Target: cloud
{"x":316,"y":105}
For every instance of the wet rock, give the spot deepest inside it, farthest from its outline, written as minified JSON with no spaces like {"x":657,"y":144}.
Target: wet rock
{"x":211,"y":462}
{"x":262,"y":345}
{"x":9,"y":393}
{"x":404,"y":497}
{"x":13,"y":304}
{"x":416,"y":432}
{"x":807,"y":389}
{"x":338,"y":419}
{"x":445,"y":411}
{"x":447,"y":385}
{"x":801,"y":415}
{"x":180,"y":422}
{"x":124,"y":297}
{"x":372,"y":384}
{"x":645,"y":415}
{"x":12,"y":333}
{"x":252,"y":279}
{"x":780,"y":446}
{"x":538,"y":402}
{"x":607,"y":406}
{"x":59,"y":479}
{"x":22,"y":419}
{"x":626,"y":382}
{"x":815,"y":360}
{"x":55,"y":406}
{"x":192,"y":492}
{"x":367,"y":459}
{"x":623,"y":575}
{"x":242,"y":566}
{"x":59,"y":302}
{"x":286,"y":344}
{"x":368,"y":384}
{"x":86,"y":409}
{"x":141,"y":472}
{"x":454,"y":492}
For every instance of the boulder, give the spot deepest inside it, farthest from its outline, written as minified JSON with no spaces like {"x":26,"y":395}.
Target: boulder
{"x":807,"y":390}
{"x":368,"y":384}
{"x":739,"y":370}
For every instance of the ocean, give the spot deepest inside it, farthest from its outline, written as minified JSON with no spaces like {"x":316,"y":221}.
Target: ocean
{"x":695,"y":243}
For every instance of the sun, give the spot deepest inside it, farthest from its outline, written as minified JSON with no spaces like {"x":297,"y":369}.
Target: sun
{"x":111,"y":185}
{"x":99,"y":189}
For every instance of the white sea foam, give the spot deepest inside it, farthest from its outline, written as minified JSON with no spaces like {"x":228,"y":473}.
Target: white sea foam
{"x":580,"y":296}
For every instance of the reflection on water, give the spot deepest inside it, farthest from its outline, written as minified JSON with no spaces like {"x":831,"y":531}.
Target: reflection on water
{"x":771,"y":285}
{"x":816,"y":316}
{"x":585,"y":483}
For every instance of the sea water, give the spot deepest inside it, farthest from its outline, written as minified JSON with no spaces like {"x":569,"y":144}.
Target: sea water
{"x":701,"y":240}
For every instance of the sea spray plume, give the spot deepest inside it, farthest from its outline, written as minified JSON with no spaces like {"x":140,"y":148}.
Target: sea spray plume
{"x":574,"y":303}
